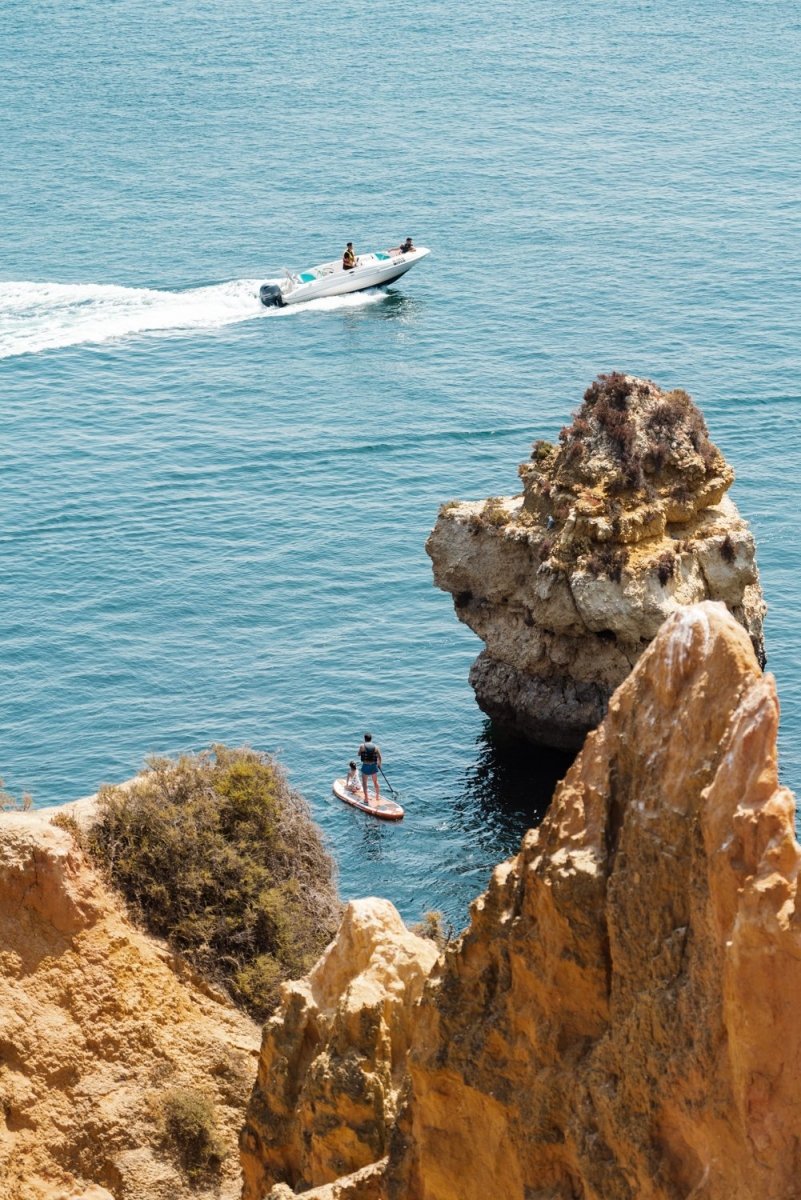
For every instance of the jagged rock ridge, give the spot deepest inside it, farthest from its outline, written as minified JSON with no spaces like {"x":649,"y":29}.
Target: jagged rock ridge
{"x":619,"y":525}
{"x":333,"y":1057}
{"x":619,"y":1021}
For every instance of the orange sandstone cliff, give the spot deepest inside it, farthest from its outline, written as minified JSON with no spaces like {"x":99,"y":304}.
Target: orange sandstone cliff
{"x":97,"y":1031}
{"x":619,"y":1021}
{"x":333,"y":1057}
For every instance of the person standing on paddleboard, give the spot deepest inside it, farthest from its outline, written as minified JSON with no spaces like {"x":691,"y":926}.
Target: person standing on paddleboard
{"x":370,"y":755}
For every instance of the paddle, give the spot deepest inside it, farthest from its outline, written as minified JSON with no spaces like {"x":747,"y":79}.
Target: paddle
{"x":392,"y":791}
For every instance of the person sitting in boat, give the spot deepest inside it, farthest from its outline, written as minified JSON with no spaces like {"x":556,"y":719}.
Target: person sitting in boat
{"x":352,"y":779}
{"x":370,"y":755}
{"x":349,"y":258}
{"x":403,"y":248}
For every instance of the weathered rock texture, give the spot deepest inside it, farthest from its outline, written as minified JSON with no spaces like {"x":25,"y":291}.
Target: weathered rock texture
{"x":622,"y":523}
{"x":620,"y":1021}
{"x":333,"y":1058}
{"x":96,"y":1027}
{"x":365,"y":1184}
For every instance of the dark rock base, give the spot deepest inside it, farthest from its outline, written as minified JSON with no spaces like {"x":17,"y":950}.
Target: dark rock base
{"x":557,"y":712}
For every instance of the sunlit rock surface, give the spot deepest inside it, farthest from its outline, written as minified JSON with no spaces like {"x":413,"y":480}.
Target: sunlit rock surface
{"x":620,"y":1020}
{"x":622,"y":523}
{"x":333,"y":1058}
{"x":365,"y":1184}
{"x":96,"y":1026}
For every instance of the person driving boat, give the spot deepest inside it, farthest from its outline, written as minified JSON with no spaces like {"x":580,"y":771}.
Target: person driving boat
{"x":349,"y":258}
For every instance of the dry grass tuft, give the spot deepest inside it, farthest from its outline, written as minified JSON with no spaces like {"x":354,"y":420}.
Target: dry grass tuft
{"x":190,"y":1130}
{"x":9,"y":803}
{"x":608,"y":560}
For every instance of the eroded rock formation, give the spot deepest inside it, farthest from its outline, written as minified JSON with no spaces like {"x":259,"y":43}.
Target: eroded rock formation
{"x":364,"y":1184}
{"x":97,"y":1029}
{"x":333,"y":1058}
{"x":619,"y":1022}
{"x":623,"y":522}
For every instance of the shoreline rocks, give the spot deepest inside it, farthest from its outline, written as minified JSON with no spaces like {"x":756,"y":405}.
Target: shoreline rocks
{"x":333,"y":1057}
{"x":99,"y":1030}
{"x":619,"y":1020}
{"x":621,"y":524}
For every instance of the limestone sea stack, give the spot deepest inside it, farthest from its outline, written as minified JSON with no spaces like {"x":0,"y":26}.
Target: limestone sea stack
{"x":620,"y":524}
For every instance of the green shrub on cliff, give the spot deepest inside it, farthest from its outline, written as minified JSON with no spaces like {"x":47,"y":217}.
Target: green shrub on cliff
{"x":218,"y":854}
{"x":190,"y":1129}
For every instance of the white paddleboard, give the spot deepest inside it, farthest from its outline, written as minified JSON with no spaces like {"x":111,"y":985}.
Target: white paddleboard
{"x":387,"y":810}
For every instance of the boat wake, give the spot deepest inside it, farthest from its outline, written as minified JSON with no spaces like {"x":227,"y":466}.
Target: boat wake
{"x":50,"y":316}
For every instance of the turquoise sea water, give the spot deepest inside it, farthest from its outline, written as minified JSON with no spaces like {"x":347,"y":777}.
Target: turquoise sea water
{"x":212,"y":518}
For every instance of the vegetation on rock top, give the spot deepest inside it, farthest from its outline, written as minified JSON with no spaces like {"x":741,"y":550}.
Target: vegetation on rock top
{"x":643,"y":432}
{"x":628,"y":441}
{"x":219,"y":855}
{"x":626,"y":488}
{"x":634,"y":461}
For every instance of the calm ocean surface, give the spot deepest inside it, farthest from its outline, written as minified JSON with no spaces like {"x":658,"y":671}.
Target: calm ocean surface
{"x":212,"y":517}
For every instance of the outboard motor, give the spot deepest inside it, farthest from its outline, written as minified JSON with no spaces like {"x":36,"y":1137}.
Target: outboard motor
{"x":271,"y":296}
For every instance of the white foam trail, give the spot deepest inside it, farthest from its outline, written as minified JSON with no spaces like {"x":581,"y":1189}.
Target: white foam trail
{"x":332,"y":303}
{"x":50,"y":316}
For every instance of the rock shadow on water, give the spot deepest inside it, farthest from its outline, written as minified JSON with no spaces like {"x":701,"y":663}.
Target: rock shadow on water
{"x":508,"y":789}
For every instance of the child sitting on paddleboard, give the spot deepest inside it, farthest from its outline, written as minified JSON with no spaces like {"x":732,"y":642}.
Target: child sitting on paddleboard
{"x":352,"y":779}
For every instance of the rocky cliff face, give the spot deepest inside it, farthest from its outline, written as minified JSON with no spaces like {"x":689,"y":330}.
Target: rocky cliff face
{"x":622,"y":523}
{"x":619,"y":1021}
{"x":334,"y":1056}
{"x":97,"y":1031}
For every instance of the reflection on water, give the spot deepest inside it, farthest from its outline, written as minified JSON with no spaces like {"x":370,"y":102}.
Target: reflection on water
{"x":468,"y":804}
{"x":392,"y":307}
{"x":373,"y":837}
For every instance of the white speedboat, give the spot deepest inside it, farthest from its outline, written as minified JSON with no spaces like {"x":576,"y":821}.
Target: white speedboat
{"x":331,"y":279}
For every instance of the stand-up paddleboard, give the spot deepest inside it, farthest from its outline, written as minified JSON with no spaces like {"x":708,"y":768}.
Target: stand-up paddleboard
{"x":387,"y":810}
